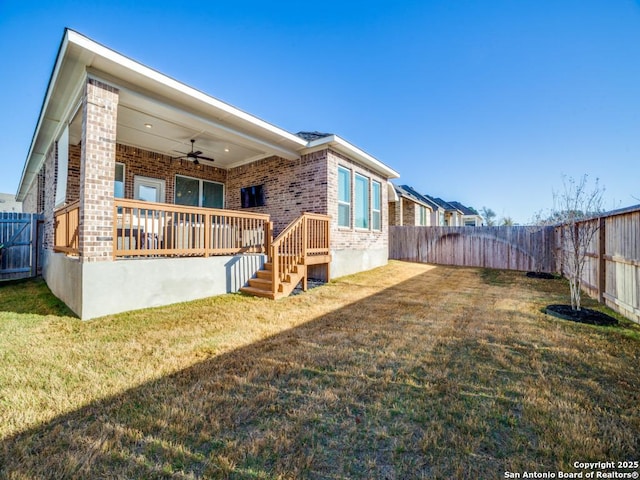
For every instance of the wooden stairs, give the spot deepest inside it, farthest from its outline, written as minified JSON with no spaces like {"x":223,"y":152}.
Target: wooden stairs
{"x":303,"y":243}
{"x":262,"y":284}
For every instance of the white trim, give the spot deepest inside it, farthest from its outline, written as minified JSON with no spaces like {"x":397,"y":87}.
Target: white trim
{"x":354,"y":152}
{"x":342,"y":202}
{"x":374,"y":210}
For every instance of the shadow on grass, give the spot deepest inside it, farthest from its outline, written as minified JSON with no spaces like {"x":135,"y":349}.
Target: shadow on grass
{"x":366,"y":391}
{"x":31,"y":296}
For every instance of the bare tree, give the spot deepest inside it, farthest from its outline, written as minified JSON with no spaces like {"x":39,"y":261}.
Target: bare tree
{"x":573,"y":205}
{"x":489,"y":216}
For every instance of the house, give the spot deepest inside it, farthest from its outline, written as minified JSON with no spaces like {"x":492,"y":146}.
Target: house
{"x":8,"y":203}
{"x":450,"y":216}
{"x":470,"y":217}
{"x":408,"y":207}
{"x":154,"y":192}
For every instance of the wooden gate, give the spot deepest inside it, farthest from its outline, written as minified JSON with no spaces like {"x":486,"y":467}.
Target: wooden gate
{"x":20,"y":245}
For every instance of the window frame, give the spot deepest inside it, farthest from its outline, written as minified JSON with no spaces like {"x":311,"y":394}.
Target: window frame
{"x":200,"y":190}
{"x":422,"y":215}
{"x":366,"y":202}
{"x":373,"y":209}
{"x":348,"y":195}
{"x":124,"y":180}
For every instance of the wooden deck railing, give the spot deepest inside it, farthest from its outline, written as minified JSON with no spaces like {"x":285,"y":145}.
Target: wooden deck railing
{"x":303,"y":239}
{"x":160,"y":229}
{"x":66,"y":222}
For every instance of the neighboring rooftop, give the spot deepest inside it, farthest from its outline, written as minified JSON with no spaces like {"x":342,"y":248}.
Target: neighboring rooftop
{"x":463,"y":209}
{"x":407,"y":191}
{"x":441,"y":203}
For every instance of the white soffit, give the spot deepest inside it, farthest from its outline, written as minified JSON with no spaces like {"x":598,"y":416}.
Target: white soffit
{"x":119,"y":66}
{"x":354,"y":152}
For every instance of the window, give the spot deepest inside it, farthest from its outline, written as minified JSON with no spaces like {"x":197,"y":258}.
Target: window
{"x":423,"y":215}
{"x":198,"y":193}
{"x":361,"y":201}
{"x":376,"y":202}
{"x":344,"y":197}
{"x":148,"y":189}
{"x":118,"y":184}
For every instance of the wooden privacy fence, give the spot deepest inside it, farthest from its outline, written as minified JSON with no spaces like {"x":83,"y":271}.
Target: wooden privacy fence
{"x":21,"y":242}
{"x":612,"y":268}
{"x":611,"y":273}
{"x":509,"y":248}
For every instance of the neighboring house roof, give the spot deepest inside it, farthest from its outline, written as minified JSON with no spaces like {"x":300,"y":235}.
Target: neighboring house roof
{"x":176,"y":112}
{"x":442,"y":204}
{"x":463,"y":209}
{"x":8,"y":203}
{"x":408,"y":192}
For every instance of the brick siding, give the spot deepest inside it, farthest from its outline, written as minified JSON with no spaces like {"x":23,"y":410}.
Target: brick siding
{"x":291,"y":187}
{"x":343,"y":238}
{"x":97,"y":166}
{"x":50,"y":169}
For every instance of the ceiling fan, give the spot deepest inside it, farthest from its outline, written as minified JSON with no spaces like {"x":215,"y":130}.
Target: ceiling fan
{"x":195,"y":156}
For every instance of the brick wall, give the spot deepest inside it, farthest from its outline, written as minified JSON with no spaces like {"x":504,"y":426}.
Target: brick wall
{"x":140,"y":162}
{"x":73,"y":175}
{"x":50,"y":170}
{"x":34,"y":199}
{"x":343,"y":238}
{"x":291,"y":187}
{"x":97,"y":166}
{"x":410,"y":213}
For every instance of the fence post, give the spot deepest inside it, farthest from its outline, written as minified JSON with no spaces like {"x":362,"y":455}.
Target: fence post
{"x":602,"y":261}
{"x":34,"y":245}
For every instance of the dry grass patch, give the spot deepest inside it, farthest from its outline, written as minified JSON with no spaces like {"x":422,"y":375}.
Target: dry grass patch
{"x":407,"y":371}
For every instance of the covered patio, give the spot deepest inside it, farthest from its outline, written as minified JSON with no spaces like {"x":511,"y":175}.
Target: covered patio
{"x":145,"y":181}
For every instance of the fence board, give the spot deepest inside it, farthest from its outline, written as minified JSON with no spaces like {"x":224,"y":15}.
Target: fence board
{"x":510,"y":248}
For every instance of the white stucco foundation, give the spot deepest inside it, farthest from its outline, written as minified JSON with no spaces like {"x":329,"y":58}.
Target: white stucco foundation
{"x":346,"y":262}
{"x":96,"y":289}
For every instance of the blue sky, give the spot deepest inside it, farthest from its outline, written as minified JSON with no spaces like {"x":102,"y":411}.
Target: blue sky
{"x":484,"y":102}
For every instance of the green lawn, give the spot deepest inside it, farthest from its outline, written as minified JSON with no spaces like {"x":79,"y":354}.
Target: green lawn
{"x":407,"y":371}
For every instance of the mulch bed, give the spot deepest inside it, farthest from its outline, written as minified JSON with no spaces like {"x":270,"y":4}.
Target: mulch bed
{"x":584,"y":315}
{"x":542,"y":275}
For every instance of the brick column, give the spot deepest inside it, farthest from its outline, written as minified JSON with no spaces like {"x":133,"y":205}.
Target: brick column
{"x":97,"y":169}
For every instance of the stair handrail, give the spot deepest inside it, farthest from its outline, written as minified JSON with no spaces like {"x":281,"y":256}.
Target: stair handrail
{"x":291,"y":248}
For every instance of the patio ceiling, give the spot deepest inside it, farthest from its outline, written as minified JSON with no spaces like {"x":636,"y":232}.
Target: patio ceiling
{"x":151,"y":125}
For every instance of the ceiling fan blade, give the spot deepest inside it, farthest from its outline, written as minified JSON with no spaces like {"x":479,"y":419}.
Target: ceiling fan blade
{"x":205,"y":158}
{"x":196,"y":154}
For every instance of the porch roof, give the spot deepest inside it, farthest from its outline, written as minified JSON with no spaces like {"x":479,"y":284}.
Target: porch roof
{"x":160,"y":114}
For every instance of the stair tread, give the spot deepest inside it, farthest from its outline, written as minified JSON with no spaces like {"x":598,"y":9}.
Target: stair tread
{"x":258,"y":292}
{"x":261,"y":282}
